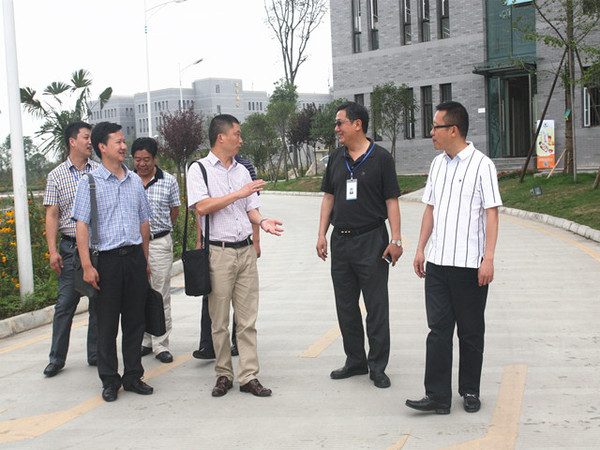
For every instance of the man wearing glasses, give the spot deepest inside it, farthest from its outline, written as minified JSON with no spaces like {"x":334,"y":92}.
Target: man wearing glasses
{"x":461,"y":218}
{"x":361,"y":192}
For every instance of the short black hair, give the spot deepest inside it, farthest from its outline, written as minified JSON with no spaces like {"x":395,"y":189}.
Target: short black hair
{"x":218,"y":125}
{"x":145,"y":143}
{"x":456,"y":114}
{"x":100,"y":134}
{"x":72,"y":131}
{"x":355,"y":111}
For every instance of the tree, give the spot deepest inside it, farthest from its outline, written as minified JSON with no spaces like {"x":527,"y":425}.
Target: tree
{"x":391,"y":107}
{"x":183,"y":133}
{"x":260,"y":143}
{"x":322,"y":126}
{"x":282,"y":106}
{"x":299,"y":132}
{"x":293,"y":22}
{"x":568,"y":24}
{"x":59,"y":111}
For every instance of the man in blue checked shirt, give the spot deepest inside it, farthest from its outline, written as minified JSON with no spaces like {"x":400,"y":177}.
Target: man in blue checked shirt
{"x":163,"y":194}
{"x":58,"y":199}
{"x":122,"y":273}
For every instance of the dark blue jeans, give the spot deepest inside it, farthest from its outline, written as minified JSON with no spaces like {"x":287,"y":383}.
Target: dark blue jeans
{"x":66,"y":304}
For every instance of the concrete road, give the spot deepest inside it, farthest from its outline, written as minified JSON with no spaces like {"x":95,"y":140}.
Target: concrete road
{"x":540,"y":386}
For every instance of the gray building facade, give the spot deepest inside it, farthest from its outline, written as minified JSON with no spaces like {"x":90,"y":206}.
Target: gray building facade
{"x":210,"y":96}
{"x":468,"y":51}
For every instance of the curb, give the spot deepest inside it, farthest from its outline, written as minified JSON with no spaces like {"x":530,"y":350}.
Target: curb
{"x":34,"y":319}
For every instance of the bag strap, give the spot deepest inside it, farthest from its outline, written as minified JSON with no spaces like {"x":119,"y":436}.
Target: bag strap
{"x":94,"y":211}
{"x":205,"y":236}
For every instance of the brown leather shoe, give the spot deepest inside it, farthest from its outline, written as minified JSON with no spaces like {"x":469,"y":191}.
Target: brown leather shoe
{"x":255,"y":388}
{"x":222,"y":386}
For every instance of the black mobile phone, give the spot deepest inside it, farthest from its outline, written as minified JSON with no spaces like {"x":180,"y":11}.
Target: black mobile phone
{"x":388,"y":258}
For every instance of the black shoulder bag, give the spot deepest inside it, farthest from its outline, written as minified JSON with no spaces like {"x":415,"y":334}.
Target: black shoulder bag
{"x":81,"y":286}
{"x":196,"y":269}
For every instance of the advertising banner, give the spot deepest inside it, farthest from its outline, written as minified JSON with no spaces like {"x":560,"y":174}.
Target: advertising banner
{"x":545,"y":145}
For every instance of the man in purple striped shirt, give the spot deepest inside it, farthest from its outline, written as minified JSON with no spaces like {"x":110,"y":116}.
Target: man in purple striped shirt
{"x":461,"y":221}
{"x":231,"y":201}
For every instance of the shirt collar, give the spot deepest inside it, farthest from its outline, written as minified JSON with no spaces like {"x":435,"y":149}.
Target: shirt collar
{"x":105,"y":173}
{"x":214,"y":160}
{"x":70,"y":163}
{"x":465,"y":152}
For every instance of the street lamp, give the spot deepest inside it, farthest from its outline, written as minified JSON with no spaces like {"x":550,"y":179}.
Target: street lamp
{"x":146,"y":18}
{"x":180,"y":89}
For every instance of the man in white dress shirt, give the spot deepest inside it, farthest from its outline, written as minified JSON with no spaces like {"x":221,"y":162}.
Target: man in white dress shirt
{"x":461,"y":219}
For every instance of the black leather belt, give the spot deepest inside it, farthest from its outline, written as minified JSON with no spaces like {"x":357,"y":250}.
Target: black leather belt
{"x":67,"y":238}
{"x":246,"y":242}
{"x":349,"y":232}
{"x":121,"y":251}
{"x":159,"y":235}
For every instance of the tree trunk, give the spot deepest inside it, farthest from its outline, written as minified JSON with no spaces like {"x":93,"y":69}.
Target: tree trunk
{"x":570,"y":77}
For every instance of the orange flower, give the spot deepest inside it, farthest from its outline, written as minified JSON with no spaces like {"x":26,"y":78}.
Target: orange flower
{"x":17,"y":285}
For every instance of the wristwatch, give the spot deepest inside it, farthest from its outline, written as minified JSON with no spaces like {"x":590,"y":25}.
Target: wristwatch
{"x":397,"y":242}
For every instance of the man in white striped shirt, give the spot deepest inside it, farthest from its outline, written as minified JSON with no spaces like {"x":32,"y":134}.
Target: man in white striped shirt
{"x":461,"y":223}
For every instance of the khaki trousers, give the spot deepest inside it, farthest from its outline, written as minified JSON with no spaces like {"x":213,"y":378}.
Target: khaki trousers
{"x":160,"y":260}
{"x":234,"y":279}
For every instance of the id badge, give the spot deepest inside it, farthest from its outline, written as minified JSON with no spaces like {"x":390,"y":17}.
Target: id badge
{"x":351,"y":189}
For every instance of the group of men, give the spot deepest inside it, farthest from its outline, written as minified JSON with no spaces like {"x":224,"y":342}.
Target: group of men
{"x":136,"y":212}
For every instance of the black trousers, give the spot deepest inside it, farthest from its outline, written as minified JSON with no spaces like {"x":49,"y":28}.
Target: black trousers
{"x":123,"y":289}
{"x":357,"y":266}
{"x":453,"y":297}
{"x":206,"y":340}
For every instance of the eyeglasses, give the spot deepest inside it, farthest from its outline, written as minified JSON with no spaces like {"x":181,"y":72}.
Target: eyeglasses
{"x":435,"y":127}
{"x":338,"y":123}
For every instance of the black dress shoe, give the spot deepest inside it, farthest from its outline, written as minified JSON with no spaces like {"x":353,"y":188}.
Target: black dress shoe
{"x":347,"y":372}
{"x":380,"y":379}
{"x":165,"y":357}
{"x":109,"y":393}
{"x":139,"y":387}
{"x":204,"y":353}
{"x":52,"y":369}
{"x":471,"y":403}
{"x":234,"y":350}
{"x":427,"y":404}
{"x":145,"y":350}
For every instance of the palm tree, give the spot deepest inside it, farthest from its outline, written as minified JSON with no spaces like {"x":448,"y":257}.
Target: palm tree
{"x":55,"y":111}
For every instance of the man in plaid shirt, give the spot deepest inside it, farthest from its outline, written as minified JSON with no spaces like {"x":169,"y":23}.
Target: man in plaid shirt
{"x":58,"y":199}
{"x":163,"y":194}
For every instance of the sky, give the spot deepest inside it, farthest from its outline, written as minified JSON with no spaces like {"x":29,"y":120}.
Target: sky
{"x":106,"y":37}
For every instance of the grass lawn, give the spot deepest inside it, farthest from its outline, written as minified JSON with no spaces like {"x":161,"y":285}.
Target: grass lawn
{"x":560,"y":198}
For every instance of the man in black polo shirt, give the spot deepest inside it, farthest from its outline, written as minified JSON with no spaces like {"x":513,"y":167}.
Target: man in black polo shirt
{"x":361,"y":191}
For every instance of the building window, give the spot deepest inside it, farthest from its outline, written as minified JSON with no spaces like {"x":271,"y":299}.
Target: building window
{"x":445,"y":92}
{"x":218,"y":88}
{"x":356,"y":26}
{"x":360,"y":99}
{"x":591,"y":103}
{"x":374,"y":24}
{"x":218,"y":109}
{"x":406,"y":18}
{"x":444,"y":19}
{"x":424,"y":25}
{"x":426,"y":110}
{"x":409,"y":119}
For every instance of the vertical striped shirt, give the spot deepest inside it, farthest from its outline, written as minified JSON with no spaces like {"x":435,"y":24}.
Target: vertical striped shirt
{"x":460,"y":190}
{"x":60,"y":190}
{"x":230,"y":224}
{"x":122,"y":207}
